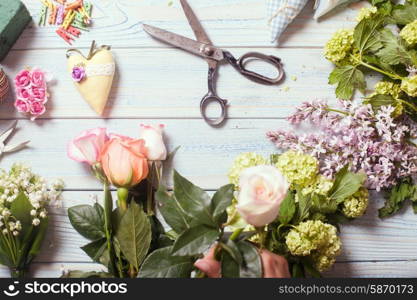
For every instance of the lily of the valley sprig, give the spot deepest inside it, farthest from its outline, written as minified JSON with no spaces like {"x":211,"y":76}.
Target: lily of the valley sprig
{"x":120,"y":237}
{"x":24,"y":200}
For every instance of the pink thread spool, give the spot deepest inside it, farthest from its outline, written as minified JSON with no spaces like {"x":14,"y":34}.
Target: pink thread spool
{"x":4,"y":85}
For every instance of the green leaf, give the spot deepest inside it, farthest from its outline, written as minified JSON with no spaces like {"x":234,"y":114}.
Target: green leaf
{"x":95,"y":249}
{"x":365,"y":35}
{"x":171,"y":211}
{"x":88,"y":221}
{"x":162,"y":264}
{"x":20,"y":209}
{"x":346,"y":183}
{"x":304,"y":206}
{"x":221,"y":200}
{"x":394,"y":50}
{"x":405,"y":14}
{"x":398,"y":195}
{"x":252,"y":264}
{"x":287,"y":209}
{"x":379,"y":100}
{"x":230,"y":268}
{"x":195,"y":240}
{"x":297,"y":271}
{"x":234,"y":252}
{"x":193,"y":200}
{"x":36,"y":243}
{"x":134,"y":234}
{"x":323,"y":205}
{"x":348,"y":78}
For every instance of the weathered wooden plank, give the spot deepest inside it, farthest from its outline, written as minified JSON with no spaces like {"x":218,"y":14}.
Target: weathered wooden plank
{"x":170,"y":83}
{"x":205,"y":155}
{"x":228,"y":22}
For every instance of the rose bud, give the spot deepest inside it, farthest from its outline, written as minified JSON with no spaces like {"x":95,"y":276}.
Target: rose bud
{"x":154,"y":141}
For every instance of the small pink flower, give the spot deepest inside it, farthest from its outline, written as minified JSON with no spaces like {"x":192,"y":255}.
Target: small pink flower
{"x":38,"y":93}
{"x":21,"y":106}
{"x":23,"y":93}
{"x":22,"y":79}
{"x":38,"y":78}
{"x":36,"y":109}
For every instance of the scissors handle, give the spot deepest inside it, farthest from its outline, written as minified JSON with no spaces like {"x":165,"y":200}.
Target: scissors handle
{"x":239,"y":65}
{"x":212,"y":97}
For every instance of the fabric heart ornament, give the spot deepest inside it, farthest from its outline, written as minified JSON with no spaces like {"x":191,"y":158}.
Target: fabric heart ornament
{"x":92,"y":75}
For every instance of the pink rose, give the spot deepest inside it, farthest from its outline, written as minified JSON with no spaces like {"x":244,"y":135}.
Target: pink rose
{"x":38,"y":93}
{"x":36,"y":109}
{"x":124,"y":161}
{"x":87,"y":146}
{"x":37,"y":78}
{"x":21,"y":106}
{"x":22,"y":79}
{"x":153,"y":141}
{"x":23,"y":93}
{"x":262,"y":189}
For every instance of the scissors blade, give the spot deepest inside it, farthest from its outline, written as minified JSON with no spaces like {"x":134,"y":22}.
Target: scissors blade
{"x":195,"y":24}
{"x":15,"y":147}
{"x":183,"y":42}
{"x":5,"y":134}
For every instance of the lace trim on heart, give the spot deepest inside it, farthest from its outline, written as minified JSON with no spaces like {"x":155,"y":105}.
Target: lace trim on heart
{"x":100,"y":70}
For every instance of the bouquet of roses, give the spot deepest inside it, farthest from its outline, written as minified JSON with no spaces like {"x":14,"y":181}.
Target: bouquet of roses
{"x":24,"y":197}
{"x":279,"y":214}
{"x":120,"y":237}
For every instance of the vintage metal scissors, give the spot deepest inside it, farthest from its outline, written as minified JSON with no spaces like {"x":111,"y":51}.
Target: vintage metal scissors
{"x":213,"y":55}
{"x":4,"y":136}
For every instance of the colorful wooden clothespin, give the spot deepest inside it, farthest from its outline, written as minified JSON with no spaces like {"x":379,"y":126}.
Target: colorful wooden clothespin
{"x":64,"y":35}
{"x":61,"y":1}
{"x":88,"y":8}
{"x":60,"y":15}
{"x":79,"y":25}
{"x":43,"y":15}
{"x":74,"y":5}
{"x":68,"y":19}
{"x":52,"y":14}
{"x":73,"y":31}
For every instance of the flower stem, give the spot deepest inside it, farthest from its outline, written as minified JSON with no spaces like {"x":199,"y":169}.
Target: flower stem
{"x":337,"y":111}
{"x":393,"y":76}
{"x":16,"y":273}
{"x":412,"y":106}
{"x":236,"y":234}
{"x":122,"y":194}
{"x":108,"y":209}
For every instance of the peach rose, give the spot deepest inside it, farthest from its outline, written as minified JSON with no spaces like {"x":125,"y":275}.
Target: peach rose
{"x":124,"y":161}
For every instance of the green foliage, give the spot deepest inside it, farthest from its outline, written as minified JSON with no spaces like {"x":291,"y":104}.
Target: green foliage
{"x":398,"y":195}
{"x":346,"y":184}
{"x":195,"y":240}
{"x":287,"y":209}
{"x":88,"y":220}
{"x":348,"y":78}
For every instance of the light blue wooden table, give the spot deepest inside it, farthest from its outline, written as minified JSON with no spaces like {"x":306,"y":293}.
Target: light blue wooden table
{"x":158,"y":84}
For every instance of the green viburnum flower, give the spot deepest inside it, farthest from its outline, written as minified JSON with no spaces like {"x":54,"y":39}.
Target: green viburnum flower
{"x":244,"y":161}
{"x":315,"y":238}
{"x":297,"y":167}
{"x":366,"y":13}
{"x":409,"y":85}
{"x":340,"y":46}
{"x":388,"y":88}
{"x":409,"y":33}
{"x":320,"y":186}
{"x":356,"y":205}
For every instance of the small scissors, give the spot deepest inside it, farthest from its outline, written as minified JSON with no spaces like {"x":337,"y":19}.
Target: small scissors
{"x":4,"y":136}
{"x":213,"y":55}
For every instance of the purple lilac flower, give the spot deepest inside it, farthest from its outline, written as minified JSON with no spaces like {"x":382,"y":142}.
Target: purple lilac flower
{"x":78,"y":74}
{"x":371,"y":141}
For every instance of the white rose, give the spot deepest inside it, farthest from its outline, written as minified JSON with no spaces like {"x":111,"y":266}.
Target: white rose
{"x":153,"y":141}
{"x":262,"y":189}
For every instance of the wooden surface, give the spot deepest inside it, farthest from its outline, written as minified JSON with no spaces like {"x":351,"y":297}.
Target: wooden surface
{"x":155,"y":83}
